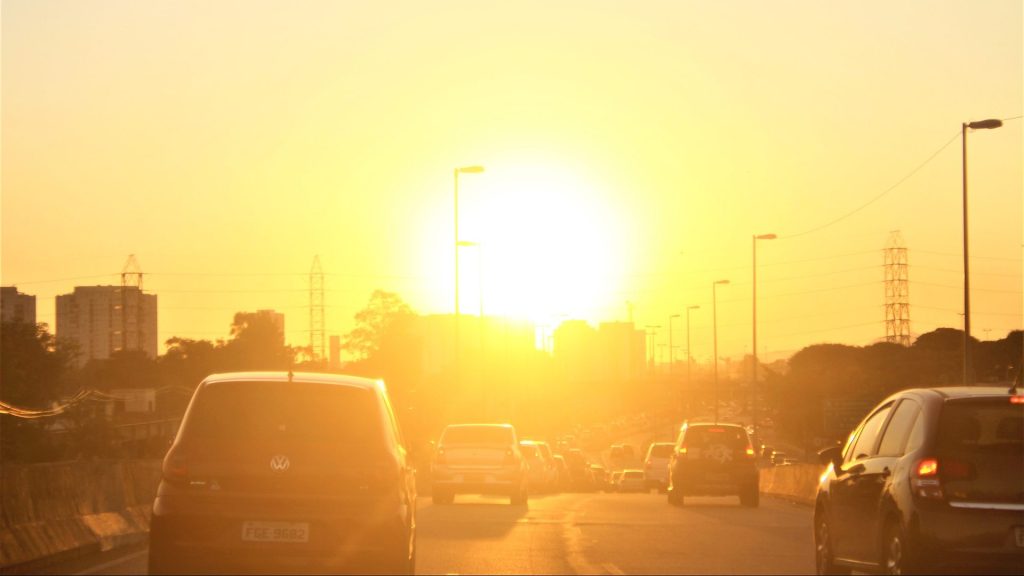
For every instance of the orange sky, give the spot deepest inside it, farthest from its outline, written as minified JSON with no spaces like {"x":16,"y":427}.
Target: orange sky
{"x":631,"y":150}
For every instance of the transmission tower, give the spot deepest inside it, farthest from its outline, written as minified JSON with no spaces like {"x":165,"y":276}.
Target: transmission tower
{"x":131,"y":277}
{"x":897,"y":292}
{"x":316,"y":311}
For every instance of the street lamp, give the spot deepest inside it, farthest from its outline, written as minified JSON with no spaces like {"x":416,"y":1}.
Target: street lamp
{"x":689,"y":357}
{"x":714,"y":331}
{"x":463,"y":170}
{"x":968,"y":367}
{"x":753,"y":387}
{"x":671,"y":350}
{"x":652,"y":332}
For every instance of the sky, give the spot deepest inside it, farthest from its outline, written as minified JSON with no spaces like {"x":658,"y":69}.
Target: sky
{"x":630,"y":150}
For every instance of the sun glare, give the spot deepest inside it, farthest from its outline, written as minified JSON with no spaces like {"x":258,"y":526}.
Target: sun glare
{"x":549,"y":246}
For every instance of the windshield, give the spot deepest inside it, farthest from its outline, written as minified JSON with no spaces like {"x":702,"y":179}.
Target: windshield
{"x":981,"y":450}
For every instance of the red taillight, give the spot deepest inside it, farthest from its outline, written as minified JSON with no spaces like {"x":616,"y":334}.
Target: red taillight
{"x":750,"y":452}
{"x":928,"y":468}
{"x":1016,"y":399}
{"x":175,"y":467}
{"x":682,"y":450}
{"x":925,"y":483}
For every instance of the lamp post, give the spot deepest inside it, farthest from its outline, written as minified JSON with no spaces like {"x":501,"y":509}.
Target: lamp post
{"x":714,"y":332}
{"x":753,"y":385}
{"x":463,"y":170}
{"x":671,"y":350}
{"x":968,"y":366}
{"x":652,"y":332}
{"x":689,"y":357}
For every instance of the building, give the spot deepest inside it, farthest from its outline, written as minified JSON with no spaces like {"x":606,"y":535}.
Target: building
{"x":100,"y":320}
{"x":17,"y":307}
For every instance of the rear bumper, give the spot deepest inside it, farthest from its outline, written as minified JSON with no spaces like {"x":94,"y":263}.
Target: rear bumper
{"x":697,"y":482}
{"x":973,"y":540}
{"x":184,"y":538}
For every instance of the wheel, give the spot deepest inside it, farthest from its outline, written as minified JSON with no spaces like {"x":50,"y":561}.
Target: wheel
{"x":898,"y":555}
{"x":750,"y":498}
{"x":518,"y":498}
{"x":442,"y":497}
{"x":824,"y":560}
{"x":675,"y":497}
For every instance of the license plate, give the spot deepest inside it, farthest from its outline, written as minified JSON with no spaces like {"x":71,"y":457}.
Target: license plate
{"x":1020,"y":536}
{"x":297,"y":532}
{"x":718,"y":478}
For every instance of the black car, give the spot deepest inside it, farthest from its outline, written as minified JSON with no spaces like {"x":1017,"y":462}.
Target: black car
{"x":713,"y":460}
{"x":282,"y":473}
{"x":931,"y":480}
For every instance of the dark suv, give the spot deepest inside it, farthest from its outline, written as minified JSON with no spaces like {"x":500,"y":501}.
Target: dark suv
{"x":931,"y":480}
{"x":713,"y":460}
{"x":281,"y":472}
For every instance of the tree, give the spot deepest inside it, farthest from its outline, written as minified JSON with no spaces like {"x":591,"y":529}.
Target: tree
{"x":385,"y":318}
{"x":257,"y":343}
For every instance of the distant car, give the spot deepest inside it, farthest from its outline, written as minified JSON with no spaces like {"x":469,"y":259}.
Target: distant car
{"x":599,"y":477}
{"x":552,"y":466}
{"x":931,"y":480}
{"x":479,"y":459}
{"x":656,"y":465}
{"x":713,"y":460}
{"x":615,"y":479}
{"x":778,"y":458}
{"x":632,"y":480}
{"x":284,"y":472}
{"x":564,"y":478}
{"x":537,"y":468}
{"x":580,"y":477}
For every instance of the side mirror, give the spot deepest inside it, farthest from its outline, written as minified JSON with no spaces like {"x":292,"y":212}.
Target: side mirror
{"x":832,"y":455}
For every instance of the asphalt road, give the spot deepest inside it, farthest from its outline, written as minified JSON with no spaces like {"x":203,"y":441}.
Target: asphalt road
{"x":591,"y":533}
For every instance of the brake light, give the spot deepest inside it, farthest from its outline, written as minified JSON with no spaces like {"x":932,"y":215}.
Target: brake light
{"x":439,"y":457}
{"x":750,"y":452}
{"x":926,"y":483}
{"x":682,"y":450}
{"x":175,"y":467}
{"x":1016,"y":399}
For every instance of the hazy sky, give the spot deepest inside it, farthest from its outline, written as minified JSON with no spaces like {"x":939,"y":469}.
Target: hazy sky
{"x":631,"y":150}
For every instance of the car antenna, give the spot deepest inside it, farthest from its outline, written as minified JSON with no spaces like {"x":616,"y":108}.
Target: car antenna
{"x":290,"y":376}
{"x":1016,"y":381}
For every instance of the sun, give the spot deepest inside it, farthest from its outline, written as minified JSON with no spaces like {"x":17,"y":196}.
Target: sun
{"x":547,"y":241}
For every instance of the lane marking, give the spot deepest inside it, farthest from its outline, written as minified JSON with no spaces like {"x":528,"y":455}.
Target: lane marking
{"x":121,"y":560}
{"x":613,"y":569}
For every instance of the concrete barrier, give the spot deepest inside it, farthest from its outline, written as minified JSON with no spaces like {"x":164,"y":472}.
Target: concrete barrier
{"x":58,"y":510}
{"x":796,"y":482}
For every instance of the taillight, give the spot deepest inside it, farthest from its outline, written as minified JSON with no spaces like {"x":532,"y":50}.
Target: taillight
{"x":1016,"y":399}
{"x":439,"y":457}
{"x":175,"y":467}
{"x":682,"y":450}
{"x":750,"y":452}
{"x":649,"y":464}
{"x":925,"y":483}
{"x":510,"y":458}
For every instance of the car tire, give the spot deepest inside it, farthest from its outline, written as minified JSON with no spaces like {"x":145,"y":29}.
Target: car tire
{"x":442,"y":497}
{"x":824,"y":557}
{"x":751,"y":497}
{"x":898,"y":554}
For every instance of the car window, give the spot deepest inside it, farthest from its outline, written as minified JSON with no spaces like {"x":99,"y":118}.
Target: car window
{"x":477,"y":435}
{"x":700,"y":439}
{"x":894,"y":439}
{"x":980,"y":449}
{"x":245,"y":412}
{"x":864,"y":444}
{"x":529,"y":451}
{"x":660,"y":451}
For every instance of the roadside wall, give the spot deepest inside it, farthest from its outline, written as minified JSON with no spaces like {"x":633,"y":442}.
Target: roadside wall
{"x":797,"y":482}
{"x":62,"y":509}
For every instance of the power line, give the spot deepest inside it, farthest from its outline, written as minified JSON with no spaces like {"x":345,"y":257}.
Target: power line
{"x":878,"y":197}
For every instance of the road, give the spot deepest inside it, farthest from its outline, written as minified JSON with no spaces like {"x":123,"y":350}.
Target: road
{"x":591,"y":533}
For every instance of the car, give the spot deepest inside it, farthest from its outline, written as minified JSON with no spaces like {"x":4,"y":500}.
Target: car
{"x":656,"y":465}
{"x":778,"y":458}
{"x":580,"y":477}
{"x":616,"y":477}
{"x":932,"y":479}
{"x":632,"y":480}
{"x":600,"y":478}
{"x":537,"y":467}
{"x":710,"y":459}
{"x":564,"y":477}
{"x":285,"y":472}
{"x":479,"y":459}
{"x":552,"y":466}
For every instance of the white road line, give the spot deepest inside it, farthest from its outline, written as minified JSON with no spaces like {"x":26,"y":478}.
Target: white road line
{"x":121,"y":560}
{"x":613,"y":569}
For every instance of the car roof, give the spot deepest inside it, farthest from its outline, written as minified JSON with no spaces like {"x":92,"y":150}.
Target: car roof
{"x":296,"y":377}
{"x":479,"y":426}
{"x":728,"y":424}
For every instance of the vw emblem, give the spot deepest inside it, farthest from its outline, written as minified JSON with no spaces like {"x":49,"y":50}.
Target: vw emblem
{"x":280,"y":463}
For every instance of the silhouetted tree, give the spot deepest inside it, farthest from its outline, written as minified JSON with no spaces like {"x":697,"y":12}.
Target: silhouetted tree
{"x":257,"y":343}
{"x":383,"y":321}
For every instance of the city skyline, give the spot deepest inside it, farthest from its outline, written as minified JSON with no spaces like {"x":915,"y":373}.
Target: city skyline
{"x":629,"y":160}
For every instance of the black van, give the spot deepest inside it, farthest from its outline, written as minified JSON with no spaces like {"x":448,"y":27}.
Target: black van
{"x":279,"y":472}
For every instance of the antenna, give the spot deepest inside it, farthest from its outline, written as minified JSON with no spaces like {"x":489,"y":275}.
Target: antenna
{"x":897,"y":292}
{"x":316,"y":311}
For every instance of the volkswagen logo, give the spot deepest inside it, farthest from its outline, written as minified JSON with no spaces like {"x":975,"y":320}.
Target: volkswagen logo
{"x":280,"y":463}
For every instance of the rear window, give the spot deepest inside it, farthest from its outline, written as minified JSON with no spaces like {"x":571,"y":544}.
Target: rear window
{"x":477,"y":435}
{"x":529,"y":451}
{"x":660,"y":451}
{"x":981,"y":450}
{"x":634,"y":475}
{"x":248,"y":412}
{"x":703,"y":436}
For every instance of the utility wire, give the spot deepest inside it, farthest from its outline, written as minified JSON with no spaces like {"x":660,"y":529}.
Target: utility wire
{"x":878,"y":197}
